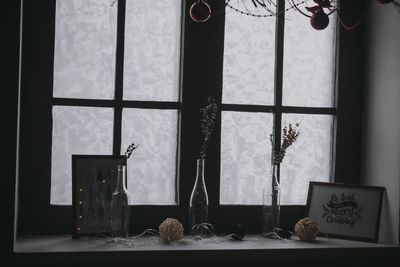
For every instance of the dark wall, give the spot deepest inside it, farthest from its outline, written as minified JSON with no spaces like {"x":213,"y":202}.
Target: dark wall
{"x":350,"y":78}
{"x":10,"y":44}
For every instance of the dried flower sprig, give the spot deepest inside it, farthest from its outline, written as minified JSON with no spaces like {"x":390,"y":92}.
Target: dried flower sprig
{"x":207,"y":121}
{"x":289,"y":137}
{"x":130,"y":149}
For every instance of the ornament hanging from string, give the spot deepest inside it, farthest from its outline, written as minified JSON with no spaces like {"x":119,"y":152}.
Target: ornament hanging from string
{"x":200,"y":11}
{"x":319,"y":17}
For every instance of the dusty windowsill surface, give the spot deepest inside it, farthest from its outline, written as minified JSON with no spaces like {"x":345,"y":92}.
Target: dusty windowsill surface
{"x":254,"y":247}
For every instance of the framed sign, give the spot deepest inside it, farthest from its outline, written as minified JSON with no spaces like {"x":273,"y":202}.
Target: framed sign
{"x":346,"y":211}
{"x":94,"y":178}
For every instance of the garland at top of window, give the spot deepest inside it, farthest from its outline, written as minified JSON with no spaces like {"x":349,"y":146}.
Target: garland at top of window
{"x":318,"y":11}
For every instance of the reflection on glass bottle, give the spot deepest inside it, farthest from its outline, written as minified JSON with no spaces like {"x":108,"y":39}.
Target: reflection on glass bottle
{"x":271,"y":203}
{"x":120,"y":210}
{"x":198,"y":205}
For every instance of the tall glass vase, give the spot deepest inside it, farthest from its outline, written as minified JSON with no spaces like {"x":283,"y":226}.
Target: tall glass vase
{"x":120,"y":210}
{"x":198,"y":205}
{"x":271,"y":202}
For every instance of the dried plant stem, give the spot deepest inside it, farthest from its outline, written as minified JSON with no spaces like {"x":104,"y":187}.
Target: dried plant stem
{"x":289,"y":136}
{"x":207,"y":121}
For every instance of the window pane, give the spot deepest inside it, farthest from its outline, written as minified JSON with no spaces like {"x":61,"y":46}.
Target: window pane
{"x":152,"y":50}
{"x":152,"y":166}
{"x":76,"y":130}
{"x":245,"y":157}
{"x":84,"y":52}
{"x":308,"y":159}
{"x":249,"y":58}
{"x":309,"y":62}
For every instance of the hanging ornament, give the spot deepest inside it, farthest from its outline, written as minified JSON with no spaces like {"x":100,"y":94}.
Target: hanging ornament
{"x":200,"y":11}
{"x":319,"y":19}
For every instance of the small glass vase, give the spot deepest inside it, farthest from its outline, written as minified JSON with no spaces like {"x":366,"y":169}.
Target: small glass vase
{"x":198,"y":205}
{"x":120,"y":210}
{"x":271,"y":202}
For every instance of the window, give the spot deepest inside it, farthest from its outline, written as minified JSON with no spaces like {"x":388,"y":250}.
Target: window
{"x":94,"y":114}
{"x":266,"y":81}
{"x":177,"y":70}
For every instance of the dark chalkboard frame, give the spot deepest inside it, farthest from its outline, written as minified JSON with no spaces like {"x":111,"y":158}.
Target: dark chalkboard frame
{"x":374,"y":196}
{"x":93,"y":181}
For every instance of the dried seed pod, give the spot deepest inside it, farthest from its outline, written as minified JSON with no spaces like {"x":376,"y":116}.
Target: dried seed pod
{"x":306,"y":229}
{"x":171,"y":230}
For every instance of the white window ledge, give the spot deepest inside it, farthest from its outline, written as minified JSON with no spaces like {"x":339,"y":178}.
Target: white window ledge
{"x":147,"y":249}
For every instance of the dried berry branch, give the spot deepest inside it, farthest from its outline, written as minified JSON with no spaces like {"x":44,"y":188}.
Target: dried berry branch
{"x":130,"y":149}
{"x":207,"y":121}
{"x":289,"y":137}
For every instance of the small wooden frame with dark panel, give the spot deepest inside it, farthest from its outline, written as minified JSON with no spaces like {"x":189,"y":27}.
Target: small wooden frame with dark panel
{"x":346,"y":211}
{"x":94,"y":178}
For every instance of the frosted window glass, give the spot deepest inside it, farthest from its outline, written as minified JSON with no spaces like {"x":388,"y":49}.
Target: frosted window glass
{"x":249,"y":58}
{"x":152,"y":50}
{"x":308,"y":62}
{"x":245,"y":157}
{"x":84,"y":52}
{"x":308,"y":159}
{"x":76,"y":130}
{"x":152,"y":166}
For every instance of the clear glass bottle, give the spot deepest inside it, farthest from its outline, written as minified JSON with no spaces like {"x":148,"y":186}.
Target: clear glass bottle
{"x":120,"y":210}
{"x":198,"y":205}
{"x":271,"y":202}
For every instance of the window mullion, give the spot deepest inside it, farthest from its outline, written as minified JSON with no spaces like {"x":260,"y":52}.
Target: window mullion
{"x":119,"y":77}
{"x":279,"y":42}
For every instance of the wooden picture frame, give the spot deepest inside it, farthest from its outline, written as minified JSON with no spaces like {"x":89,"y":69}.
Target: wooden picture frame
{"x":345,"y":211}
{"x":94,"y":178}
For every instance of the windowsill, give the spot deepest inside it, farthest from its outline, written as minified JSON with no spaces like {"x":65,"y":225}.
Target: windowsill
{"x":254,"y":248}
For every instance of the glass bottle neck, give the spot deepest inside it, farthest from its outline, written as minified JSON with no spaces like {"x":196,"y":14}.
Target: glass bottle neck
{"x":121,"y":179}
{"x":275,"y":173}
{"x":200,"y":171}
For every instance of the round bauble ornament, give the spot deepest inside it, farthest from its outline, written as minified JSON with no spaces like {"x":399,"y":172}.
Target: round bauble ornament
{"x":200,"y":11}
{"x":306,"y":229}
{"x":319,"y":20}
{"x":170,"y":230}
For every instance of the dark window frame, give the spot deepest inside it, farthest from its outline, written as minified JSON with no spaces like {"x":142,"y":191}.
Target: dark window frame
{"x":203,"y":45}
